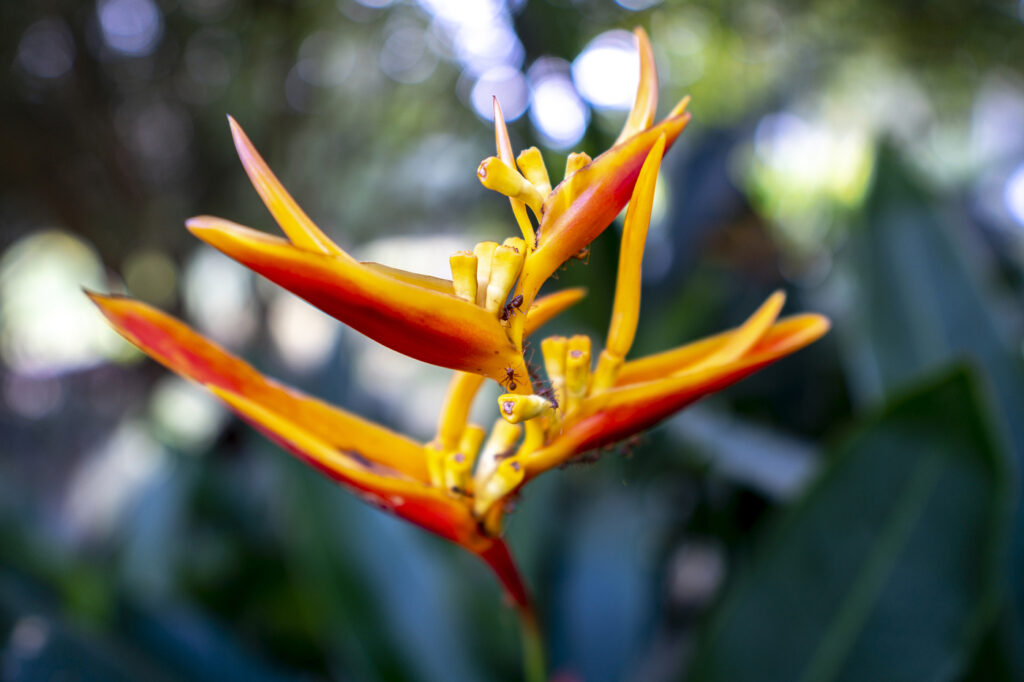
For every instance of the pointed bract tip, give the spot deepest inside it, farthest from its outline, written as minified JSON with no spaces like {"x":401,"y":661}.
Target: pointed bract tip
{"x":808,"y":328}
{"x":102,"y":301}
{"x":112,"y":306}
{"x":819,"y":323}
{"x":200,"y":224}
{"x":243,"y":145}
{"x":99,"y":300}
{"x":236,"y":129}
{"x":680,"y":108}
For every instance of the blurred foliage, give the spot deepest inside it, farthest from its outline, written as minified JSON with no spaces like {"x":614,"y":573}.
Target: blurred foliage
{"x":859,"y":155}
{"x":844,"y":569}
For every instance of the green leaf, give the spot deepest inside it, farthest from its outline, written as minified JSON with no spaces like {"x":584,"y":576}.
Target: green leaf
{"x":921,"y":300}
{"x":890,"y":566}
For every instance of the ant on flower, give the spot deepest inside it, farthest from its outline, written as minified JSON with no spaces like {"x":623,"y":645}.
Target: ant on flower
{"x":510,"y":379}
{"x":510,"y":309}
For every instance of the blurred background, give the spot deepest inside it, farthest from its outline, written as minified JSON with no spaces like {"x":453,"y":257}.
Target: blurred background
{"x":866,"y":157}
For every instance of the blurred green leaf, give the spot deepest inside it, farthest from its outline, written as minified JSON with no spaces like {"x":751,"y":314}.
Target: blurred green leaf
{"x":923,"y":298}
{"x":889,"y":568}
{"x":998,"y":655}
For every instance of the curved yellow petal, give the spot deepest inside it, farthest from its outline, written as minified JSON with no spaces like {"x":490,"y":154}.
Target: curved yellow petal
{"x":182,"y":350}
{"x":619,"y":413}
{"x":626,"y":305}
{"x":642,"y":114}
{"x":749,"y":333}
{"x":420,"y":322}
{"x":302,"y":231}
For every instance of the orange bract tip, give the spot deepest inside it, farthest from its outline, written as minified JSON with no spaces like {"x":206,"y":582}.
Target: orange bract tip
{"x":680,"y":108}
{"x":504,"y":148}
{"x":746,"y":335}
{"x":302,"y":231}
{"x":642,"y":114}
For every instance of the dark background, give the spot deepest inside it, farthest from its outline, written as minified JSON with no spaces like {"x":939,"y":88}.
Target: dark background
{"x":867,"y":157}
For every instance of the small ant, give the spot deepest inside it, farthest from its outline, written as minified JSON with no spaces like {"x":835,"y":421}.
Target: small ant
{"x":583,"y":255}
{"x":511,"y":308}
{"x":510,"y":379}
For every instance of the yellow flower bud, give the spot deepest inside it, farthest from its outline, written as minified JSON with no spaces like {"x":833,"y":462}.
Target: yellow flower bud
{"x":504,"y":480}
{"x":519,"y":408}
{"x":576,"y":161}
{"x":494,"y":174}
{"x":531,"y":163}
{"x":505,"y":266}
{"x":464,"y":275}
{"x":484,"y":252}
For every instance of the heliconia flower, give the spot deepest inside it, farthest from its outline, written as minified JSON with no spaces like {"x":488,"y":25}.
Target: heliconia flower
{"x":457,"y":484}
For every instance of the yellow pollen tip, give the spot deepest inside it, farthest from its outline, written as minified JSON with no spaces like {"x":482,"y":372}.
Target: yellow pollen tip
{"x":519,"y":408}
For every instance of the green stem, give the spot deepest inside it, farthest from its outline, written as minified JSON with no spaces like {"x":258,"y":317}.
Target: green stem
{"x":534,"y":669}
{"x":497,"y":556}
